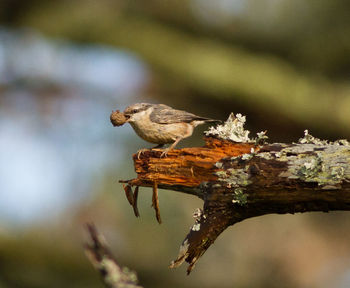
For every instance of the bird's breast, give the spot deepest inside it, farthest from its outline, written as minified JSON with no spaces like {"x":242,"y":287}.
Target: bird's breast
{"x":161,"y":133}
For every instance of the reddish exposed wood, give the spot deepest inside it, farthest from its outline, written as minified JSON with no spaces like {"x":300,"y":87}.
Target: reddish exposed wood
{"x":155,"y":201}
{"x":186,"y":167}
{"x":134,"y":206}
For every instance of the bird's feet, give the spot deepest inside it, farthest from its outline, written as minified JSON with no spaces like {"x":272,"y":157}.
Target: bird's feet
{"x":165,"y":153}
{"x":140,"y":152}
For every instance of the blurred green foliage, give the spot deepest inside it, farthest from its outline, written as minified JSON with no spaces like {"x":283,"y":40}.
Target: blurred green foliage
{"x":218,"y":69}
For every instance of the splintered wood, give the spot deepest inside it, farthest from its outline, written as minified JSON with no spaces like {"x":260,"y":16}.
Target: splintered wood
{"x":132,"y":198}
{"x":155,"y":201}
{"x":187,"y":167}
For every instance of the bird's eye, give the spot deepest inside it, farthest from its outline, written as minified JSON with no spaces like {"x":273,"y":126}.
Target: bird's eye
{"x":134,"y":111}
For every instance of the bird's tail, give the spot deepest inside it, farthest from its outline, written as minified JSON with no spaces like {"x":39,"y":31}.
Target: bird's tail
{"x":208,"y":120}
{"x":202,"y":120}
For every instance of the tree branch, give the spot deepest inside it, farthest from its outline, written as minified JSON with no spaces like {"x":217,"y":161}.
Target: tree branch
{"x":101,"y":258}
{"x":240,"y":180}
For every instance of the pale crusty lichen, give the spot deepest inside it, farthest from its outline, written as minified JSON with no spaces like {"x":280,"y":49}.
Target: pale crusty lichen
{"x":314,"y":160}
{"x":218,"y":165}
{"x":237,"y":179}
{"x":309,"y":139}
{"x":247,"y":156}
{"x":342,"y":142}
{"x":261,"y":138}
{"x":233,"y":129}
{"x":266,"y":155}
{"x":326,"y":165}
{"x":198,"y":213}
{"x":196,"y":227}
{"x":234,"y":178}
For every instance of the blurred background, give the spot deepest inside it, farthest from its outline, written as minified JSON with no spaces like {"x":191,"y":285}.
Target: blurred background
{"x":64,"y":65}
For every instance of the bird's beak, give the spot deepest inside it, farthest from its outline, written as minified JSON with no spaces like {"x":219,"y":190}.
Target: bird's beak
{"x":127,"y":117}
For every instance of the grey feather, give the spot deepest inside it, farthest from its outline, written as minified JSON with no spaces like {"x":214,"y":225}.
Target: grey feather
{"x":163,"y":114}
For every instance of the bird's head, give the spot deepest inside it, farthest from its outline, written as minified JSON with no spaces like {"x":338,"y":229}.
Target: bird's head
{"x":136,"y":111}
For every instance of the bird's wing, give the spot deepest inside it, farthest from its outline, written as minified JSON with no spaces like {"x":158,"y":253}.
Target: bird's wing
{"x":163,"y":114}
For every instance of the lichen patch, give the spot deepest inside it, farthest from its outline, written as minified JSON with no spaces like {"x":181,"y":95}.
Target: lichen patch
{"x":309,"y":139}
{"x":326,"y":165}
{"x":233,"y":129}
{"x":196,"y":227}
{"x":234,"y":177}
{"x":240,"y":197}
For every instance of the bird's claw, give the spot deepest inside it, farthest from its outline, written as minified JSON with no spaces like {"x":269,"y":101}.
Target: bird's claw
{"x":164,"y":153}
{"x":140,"y":152}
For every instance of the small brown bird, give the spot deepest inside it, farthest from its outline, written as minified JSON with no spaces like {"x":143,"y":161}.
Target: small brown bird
{"x":161,"y":124}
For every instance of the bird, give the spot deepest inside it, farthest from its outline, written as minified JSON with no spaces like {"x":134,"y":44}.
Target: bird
{"x":161,"y":124}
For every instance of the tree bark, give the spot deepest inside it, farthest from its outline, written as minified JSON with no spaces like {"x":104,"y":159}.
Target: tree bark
{"x":242,"y":180}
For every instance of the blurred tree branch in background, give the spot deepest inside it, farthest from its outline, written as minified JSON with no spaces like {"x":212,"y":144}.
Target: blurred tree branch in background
{"x":304,"y":33}
{"x":212,"y":67}
{"x":102,"y":259}
{"x":312,"y":34}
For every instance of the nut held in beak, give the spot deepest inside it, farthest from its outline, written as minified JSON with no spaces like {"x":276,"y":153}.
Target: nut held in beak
{"x":117,"y":118}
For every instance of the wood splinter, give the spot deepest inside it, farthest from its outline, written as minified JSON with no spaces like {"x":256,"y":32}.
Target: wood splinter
{"x":136,"y":194}
{"x":132,"y":197}
{"x":155,"y":201}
